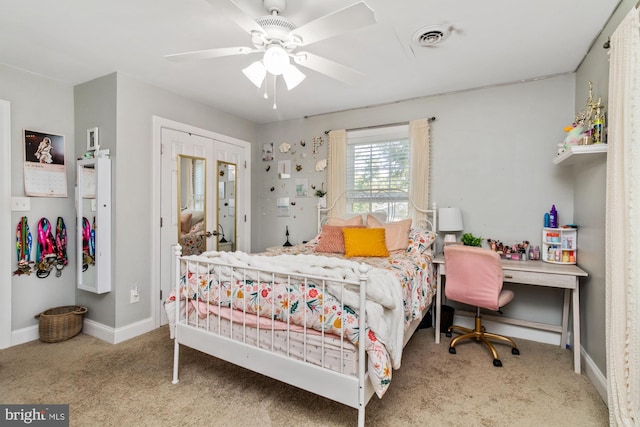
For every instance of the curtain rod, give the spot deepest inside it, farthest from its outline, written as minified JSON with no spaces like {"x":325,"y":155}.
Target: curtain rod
{"x":607,"y":44}
{"x":430,"y":119}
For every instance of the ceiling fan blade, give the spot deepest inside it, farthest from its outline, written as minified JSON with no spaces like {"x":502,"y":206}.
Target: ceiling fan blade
{"x":230,"y":10}
{"x":210,"y":53}
{"x":350,"y":18}
{"x":328,"y":67}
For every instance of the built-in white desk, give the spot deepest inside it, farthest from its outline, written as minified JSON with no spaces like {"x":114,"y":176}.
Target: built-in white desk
{"x":537,"y":273}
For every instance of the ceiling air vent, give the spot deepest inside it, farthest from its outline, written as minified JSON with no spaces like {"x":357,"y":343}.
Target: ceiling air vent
{"x":431,"y":35}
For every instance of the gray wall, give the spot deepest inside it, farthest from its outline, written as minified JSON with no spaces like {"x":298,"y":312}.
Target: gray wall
{"x":44,"y":105}
{"x":137,"y":103}
{"x":492,"y":152}
{"x":589,"y":200}
{"x":95,"y":106}
{"x":122,"y":108}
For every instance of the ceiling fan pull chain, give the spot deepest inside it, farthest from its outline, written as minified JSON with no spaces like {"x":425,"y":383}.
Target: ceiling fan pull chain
{"x":266,"y":81}
{"x":274,"y":92}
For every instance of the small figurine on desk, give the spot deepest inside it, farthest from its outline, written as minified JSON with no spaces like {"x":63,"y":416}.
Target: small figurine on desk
{"x":287,"y":243}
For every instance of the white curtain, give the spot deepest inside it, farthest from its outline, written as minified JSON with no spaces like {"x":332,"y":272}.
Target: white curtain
{"x":188,"y":186}
{"x":420,"y":165}
{"x":336,"y":177}
{"x":623,"y":226}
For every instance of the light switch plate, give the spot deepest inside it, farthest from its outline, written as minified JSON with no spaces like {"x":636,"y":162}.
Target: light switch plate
{"x":20,"y":204}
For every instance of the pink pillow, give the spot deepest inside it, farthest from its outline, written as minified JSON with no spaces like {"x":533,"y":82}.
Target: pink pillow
{"x":396,"y":233}
{"x":185,"y":222}
{"x":356,"y":220}
{"x":331,"y":238}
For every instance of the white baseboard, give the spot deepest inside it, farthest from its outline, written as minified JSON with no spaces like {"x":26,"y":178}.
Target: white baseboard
{"x":90,"y":327}
{"x":598,"y":379}
{"x":24,"y":335}
{"x":115,"y":336}
{"x":514,"y":331}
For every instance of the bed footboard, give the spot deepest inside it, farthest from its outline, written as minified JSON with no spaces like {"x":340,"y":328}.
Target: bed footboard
{"x":223,"y":317}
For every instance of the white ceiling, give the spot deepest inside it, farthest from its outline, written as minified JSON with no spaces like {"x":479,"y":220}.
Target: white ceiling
{"x":493,"y":42}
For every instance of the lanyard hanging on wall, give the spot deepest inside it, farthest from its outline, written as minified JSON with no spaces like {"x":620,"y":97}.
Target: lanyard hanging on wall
{"x":61,"y":246}
{"x":23,"y":247}
{"x":88,"y":244}
{"x":45,"y":249}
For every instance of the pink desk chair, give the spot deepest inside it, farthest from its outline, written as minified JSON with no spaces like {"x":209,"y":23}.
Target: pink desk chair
{"x":474,"y":276}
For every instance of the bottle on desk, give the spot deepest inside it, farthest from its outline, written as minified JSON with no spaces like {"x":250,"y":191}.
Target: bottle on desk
{"x":553,"y":217}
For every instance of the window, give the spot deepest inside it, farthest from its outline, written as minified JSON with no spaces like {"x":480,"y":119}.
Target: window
{"x":198,"y":185}
{"x":378,"y":166}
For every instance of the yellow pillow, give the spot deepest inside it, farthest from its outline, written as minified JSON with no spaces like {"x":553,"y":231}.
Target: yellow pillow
{"x":364,"y":242}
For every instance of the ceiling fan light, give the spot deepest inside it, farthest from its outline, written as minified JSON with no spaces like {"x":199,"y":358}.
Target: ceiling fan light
{"x":256,"y":73}
{"x":300,"y":58}
{"x":276,"y":60}
{"x":292,"y":77}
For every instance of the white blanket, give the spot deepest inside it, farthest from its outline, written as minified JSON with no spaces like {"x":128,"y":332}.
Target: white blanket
{"x":384,"y":307}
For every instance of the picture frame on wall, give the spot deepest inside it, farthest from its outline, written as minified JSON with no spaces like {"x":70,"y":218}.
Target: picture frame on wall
{"x":92,"y":139}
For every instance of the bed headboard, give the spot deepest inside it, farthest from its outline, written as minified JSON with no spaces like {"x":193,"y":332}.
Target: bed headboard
{"x":422,"y":216}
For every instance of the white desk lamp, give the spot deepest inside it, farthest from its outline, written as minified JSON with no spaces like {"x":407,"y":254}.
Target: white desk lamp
{"x":450,"y":220}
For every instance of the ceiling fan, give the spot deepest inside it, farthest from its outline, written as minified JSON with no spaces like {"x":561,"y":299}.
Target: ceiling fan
{"x":278,"y":38}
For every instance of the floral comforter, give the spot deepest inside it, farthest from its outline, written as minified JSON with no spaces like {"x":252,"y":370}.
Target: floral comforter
{"x":318,"y":306}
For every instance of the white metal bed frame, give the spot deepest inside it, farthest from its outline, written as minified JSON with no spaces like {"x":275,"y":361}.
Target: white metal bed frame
{"x":346,"y":389}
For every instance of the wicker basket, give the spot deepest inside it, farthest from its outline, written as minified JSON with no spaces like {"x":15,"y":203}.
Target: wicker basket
{"x":61,"y":323}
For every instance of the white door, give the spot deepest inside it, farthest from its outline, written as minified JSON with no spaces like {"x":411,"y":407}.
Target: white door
{"x":175,"y":143}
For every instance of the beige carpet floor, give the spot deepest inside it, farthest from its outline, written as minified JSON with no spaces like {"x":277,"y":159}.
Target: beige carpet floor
{"x":129,"y":384}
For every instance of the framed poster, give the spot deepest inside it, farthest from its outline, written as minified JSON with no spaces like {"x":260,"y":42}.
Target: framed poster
{"x":92,"y":139}
{"x":45,"y":173}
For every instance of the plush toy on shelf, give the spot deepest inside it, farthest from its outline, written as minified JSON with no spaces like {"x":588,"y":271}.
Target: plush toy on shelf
{"x":575,"y":133}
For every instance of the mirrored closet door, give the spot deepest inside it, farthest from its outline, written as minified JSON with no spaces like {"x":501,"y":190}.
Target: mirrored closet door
{"x":93,"y":227}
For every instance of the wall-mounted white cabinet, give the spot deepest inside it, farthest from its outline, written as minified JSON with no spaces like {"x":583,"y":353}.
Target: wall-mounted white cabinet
{"x":93,"y":207}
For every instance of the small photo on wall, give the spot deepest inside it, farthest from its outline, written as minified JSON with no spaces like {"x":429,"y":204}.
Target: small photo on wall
{"x":302,"y":187}
{"x":267,"y":152}
{"x":284,"y":169}
{"x":92,"y":139}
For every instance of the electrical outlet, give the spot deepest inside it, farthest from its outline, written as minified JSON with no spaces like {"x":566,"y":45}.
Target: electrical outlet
{"x":135,"y":296}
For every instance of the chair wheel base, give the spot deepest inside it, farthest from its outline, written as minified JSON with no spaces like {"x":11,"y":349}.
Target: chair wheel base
{"x":515,"y":351}
{"x":448,"y":334}
{"x":497,"y":363}
{"x":452,"y":350}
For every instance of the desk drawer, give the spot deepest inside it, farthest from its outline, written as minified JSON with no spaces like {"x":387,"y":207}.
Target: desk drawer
{"x":540,"y":279}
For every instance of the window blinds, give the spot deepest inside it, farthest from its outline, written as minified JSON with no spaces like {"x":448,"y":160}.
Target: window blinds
{"x":198,"y":185}
{"x":377,"y":163}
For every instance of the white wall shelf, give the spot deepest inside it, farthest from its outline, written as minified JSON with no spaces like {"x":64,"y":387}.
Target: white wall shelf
{"x":581,"y":153}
